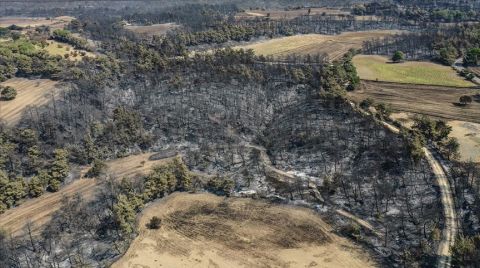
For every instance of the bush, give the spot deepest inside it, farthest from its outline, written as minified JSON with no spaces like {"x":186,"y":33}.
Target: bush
{"x":155,"y":223}
{"x":398,"y":56}
{"x":8,"y":93}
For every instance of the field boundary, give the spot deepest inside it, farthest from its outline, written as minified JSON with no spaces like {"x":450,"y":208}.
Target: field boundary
{"x":416,"y":84}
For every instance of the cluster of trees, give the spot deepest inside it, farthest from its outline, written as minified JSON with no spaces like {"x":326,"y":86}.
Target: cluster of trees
{"x":23,"y":57}
{"x":66,"y":36}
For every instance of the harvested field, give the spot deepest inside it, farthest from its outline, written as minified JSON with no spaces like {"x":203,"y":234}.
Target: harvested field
{"x":39,"y":210}
{"x":203,"y":230}
{"x":289,"y":14}
{"x":150,"y":30}
{"x":468,"y":135}
{"x":31,"y":92}
{"x":335,"y":46}
{"x":373,"y":67}
{"x":54,"y":23}
{"x":56,"y":48}
{"x":435,"y":101}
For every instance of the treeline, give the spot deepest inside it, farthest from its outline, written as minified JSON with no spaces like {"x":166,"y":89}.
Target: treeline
{"x":443,"y":44}
{"x":65,"y":36}
{"x":417,"y":14}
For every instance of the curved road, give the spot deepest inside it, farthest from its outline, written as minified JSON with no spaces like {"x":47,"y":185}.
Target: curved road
{"x":449,"y":231}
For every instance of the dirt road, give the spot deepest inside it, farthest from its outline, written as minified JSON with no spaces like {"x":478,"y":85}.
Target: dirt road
{"x":450,"y":229}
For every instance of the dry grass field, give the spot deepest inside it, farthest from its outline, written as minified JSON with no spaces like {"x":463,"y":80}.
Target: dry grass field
{"x":468,"y":135}
{"x":54,"y":23}
{"x":150,"y":30}
{"x":39,"y":210}
{"x":289,"y":14}
{"x":373,"y":67}
{"x":56,"y":48}
{"x":335,"y":46}
{"x":31,"y":92}
{"x":203,"y":230}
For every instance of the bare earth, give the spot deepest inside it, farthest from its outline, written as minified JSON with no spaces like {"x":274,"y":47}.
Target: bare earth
{"x":335,"y":46}
{"x":54,"y":23}
{"x":435,"y":101}
{"x":155,"y":29}
{"x":289,"y":14}
{"x":30,"y":92}
{"x":39,"y":210}
{"x":203,"y":230}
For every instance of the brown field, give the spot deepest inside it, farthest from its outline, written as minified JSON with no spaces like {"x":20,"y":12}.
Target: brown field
{"x":203,"y":230}
{"x":468,"y":135}
{"x":39,"y":210}
{"x":435,"y":101}
{"x":335,"y":46}
{"x":31,"y":92}
{"x":289,"y":14}
{"x":150,"y":30}
{"x":54,"y":23}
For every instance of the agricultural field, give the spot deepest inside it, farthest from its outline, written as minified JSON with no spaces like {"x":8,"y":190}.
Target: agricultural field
{"x":30,"y":92}
{"x":150,"y":30}
{"x":203,"y":230}
{"x":335,"y":46}
{"x":374,"y":67}
{"x":56,"y":48}
{"x":289,"y":14}
{"x":435,"y":101}
{"x":54,"y":23}
{"x":39,"y":211}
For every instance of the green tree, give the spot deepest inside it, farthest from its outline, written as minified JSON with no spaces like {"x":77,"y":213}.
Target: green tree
{"x":36,"y":187}
{"x":124,"y":214}
{"x":465,"y":99}
{"x":452,"y":147}
{"x":97,"y":169}
{"x":184,"y":179}
{"x":59,"y":169}
{"x":472,"y":57}
{"x":8,"y":93}
{"x":398,"y":56}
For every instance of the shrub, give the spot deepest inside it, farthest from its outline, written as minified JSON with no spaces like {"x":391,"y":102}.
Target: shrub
{"x":8,"y":93}
{"x":155,"y":223}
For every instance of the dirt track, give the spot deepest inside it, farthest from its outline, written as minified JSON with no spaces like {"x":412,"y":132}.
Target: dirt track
{"x":436,"y":101}
{"x":450,"y":229}
{"x":39,"y":210}
{"x":203,"y":230}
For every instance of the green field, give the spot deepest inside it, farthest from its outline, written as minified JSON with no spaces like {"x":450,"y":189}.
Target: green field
{"x":413,"y":72}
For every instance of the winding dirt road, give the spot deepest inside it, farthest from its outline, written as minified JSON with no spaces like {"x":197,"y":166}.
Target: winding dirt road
{"x":450,"y":228}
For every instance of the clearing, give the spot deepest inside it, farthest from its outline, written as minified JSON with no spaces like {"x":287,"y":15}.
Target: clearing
{"x":60,"y":49}
{"x":335,"y":46}
{"x":54,"y":23}
{"x":151,"y":30}
{"x":203,"y":230}
{"x":374,"y":67}
{"x":289,"y":14}
{"x":30,"y":93}
{"x":468,"y":135}
{"x":39,"y":210}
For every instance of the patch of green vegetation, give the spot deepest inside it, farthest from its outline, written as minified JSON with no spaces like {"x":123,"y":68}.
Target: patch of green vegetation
{"x":382,"y":69}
